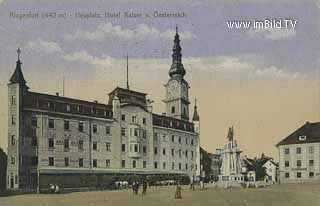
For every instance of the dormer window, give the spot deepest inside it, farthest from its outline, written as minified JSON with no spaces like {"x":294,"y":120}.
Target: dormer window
{"x":68,"y":108}
{"x":80,"y":109}
{"x":302,"y":138}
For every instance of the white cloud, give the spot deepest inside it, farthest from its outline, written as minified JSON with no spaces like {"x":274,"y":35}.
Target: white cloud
{"x":140,"y":32}
{"x":225,"y":66}
{"x":44,"y":46}
{"x":273,"y":34}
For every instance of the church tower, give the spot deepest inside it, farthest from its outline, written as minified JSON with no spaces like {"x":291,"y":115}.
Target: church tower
{"x":17,"y":88}
{"x":177,"y":97}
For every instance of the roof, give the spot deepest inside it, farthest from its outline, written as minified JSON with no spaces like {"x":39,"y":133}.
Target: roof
{"x":170,"y":122}
{"x":271,"y":161}
{"x":128,"y":96}
{"x":57,"y":103}
{"x":311,"y":131}
{"x":17,"y":76}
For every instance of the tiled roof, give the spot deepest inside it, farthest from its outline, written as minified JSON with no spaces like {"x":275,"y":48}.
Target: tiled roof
{"x":308,"y":133}
{"x":56,"y":103}
{"x":128,"y":96}
{"x":170,"y":122}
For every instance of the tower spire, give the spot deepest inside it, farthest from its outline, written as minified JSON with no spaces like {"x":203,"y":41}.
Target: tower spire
{"x":195,"y":112}
{"x":17,"y":76}
{"x":177,"y":68}
{"x":127,"y":72}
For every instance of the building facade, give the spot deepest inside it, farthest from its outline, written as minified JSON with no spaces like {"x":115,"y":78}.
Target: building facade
{"x":56,"y":136}
{"x":271,"y":171}
{"x":299,"y":155}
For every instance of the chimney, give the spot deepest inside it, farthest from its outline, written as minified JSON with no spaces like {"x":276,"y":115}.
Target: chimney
{"x":57,"y":94}
{"x":95,"y":101}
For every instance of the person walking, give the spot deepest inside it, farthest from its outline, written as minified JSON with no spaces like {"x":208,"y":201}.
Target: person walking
{"x":144,"y":188}
{"x":178,"y":192}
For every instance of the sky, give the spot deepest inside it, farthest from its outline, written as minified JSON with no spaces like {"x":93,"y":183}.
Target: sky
{"x":263,"y":81}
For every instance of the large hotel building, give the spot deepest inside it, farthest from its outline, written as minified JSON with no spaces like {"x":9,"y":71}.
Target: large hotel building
{"x":52,"y":135}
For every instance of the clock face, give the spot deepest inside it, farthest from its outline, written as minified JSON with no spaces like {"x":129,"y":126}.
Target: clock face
{"x":172,"y":89}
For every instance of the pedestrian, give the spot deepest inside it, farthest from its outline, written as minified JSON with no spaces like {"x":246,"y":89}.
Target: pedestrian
{"x":144,"y":188}
{"x":137,"y":188}
{"x":178,"y":192}
{"x":134,"y":187}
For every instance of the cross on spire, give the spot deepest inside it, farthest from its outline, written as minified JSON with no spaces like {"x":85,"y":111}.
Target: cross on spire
{"x":18,"y":52}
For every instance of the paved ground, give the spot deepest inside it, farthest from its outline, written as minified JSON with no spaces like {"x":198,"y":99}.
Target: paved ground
{"x":278,"y":195}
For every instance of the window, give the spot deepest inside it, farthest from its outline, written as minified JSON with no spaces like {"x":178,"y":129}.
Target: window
{"x":94,"y":163}
{"x":123,"y":117}
{"x":286,"y":151}
{"x":155,"y":150}
{"x":80,"y":109}
{"x":144,"y":121}
{"x":50,"y":105}
{"x":13,"y":160}
{"x":108,"y":146}
{"x":107,"y":163}
{"x":172,"y":138}
{"x":51,"y":143}
{"x":164,"y":137}
{"x":94,"y":128}
{"x":311,"y":174}
{"x":310,"y":150}
{"x":95,"y":146}
{"x":13,"y":100}
{"x":107,"y":130}
{"x":298,"y":163}
{"x":192,"y":154}
{"x":144,"y":149}
{"x":66,"y":143}
{"x":51,"y":123}
{"x":144,"y":164}
{"x":66,"y":162}
{"x":123,"y":131}
{"x":286,"y":163}
{"x":298,"y":150}
{"x":80,"y":162}
{"x":164,"y":165}
{"x":144,"y":134}
{"x":94,"y":111}
{"x":123,"y":147}
{"x":66,"y":125}
{"x":155,"y":165}
{"x":173,"y":110}
{"x":302,"y":138}
{"x":134,"y":164}
{"x":80,"y":145}
{"x":180,"y":153}
{"x":298,"y":174}
{"x":135,"y":148}
{"x":311,"y":163}
{"x":134,"y":119}
{"x":172,"y":167}
{"x":172,"y":152}
{"x":186,"y":166}
{"x":136,"y":132}
{"x":80,"y":127}
{"x":34,"y":122}
{"x":68,"y":107}
{"x":287,"y":175}
{"x":192,"y":142}
{"x":13,"y":119}
{"x":51,"y":161}
{"x":164,"y":151}
{"x":123,"y":163}
{"x":186,"y":153}
{"x":179,"y":140}
{"x":179,"y":166}
{"x":13,"y":140}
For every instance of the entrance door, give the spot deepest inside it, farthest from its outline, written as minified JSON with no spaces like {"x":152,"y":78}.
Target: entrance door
{"x":11,"y":182}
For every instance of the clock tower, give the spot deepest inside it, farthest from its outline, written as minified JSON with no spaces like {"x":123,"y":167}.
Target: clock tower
{"x":177,"y":97}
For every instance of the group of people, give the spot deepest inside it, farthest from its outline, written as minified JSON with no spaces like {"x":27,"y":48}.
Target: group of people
{"x":136,"y":185}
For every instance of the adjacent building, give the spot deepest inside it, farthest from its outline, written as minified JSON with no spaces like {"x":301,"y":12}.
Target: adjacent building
{"x":299,"y":155}
{"x":52,"y":136}
{"x":271,"y":170}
